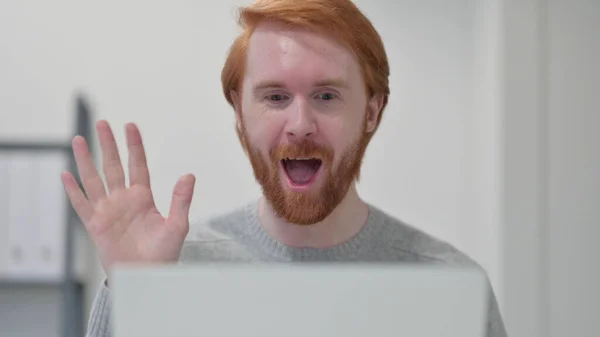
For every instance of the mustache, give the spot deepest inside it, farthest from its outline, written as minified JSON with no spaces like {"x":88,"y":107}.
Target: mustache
{"x":302,"y":149}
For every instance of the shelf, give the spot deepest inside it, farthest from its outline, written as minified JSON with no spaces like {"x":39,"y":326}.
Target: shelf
{"x":26,"y":146}
{"x":56,"y":298}
{"x":31,"y":282}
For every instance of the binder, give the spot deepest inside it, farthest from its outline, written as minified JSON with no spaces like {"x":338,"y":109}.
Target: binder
{"x":51,"y":218}
{"x":22,"y":231}
{"x":36,"y":224}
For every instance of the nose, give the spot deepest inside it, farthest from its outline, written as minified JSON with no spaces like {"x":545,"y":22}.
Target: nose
{"x":301,"y":122}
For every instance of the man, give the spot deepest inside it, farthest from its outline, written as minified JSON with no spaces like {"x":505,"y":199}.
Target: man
{"x":308,"y":81}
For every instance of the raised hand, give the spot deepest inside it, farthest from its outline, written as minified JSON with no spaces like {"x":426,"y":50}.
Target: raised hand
{"x":123,"y":221}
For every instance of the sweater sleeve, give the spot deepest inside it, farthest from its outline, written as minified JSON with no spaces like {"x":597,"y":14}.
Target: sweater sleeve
{"x":99,"y":324}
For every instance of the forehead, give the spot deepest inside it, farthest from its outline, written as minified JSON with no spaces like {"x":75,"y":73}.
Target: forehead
{"x":290,"y":54}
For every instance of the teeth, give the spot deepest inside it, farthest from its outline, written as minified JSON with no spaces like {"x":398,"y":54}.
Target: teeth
{"x":299,"y":158}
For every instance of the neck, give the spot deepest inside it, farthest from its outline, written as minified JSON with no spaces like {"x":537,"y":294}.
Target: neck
{"x":346,"y":220}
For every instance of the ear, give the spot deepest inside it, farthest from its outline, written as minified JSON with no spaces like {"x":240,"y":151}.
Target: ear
{"x":373,"y":112}
{"x":237,"y":106}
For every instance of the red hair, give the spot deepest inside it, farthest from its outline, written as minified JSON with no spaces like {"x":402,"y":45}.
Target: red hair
{"x":340,"y":19}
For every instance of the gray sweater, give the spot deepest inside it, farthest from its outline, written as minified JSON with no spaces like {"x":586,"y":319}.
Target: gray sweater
{"x":238,"y":237}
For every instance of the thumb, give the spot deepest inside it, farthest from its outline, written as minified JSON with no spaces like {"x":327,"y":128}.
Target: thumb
{"x":182,"y":199}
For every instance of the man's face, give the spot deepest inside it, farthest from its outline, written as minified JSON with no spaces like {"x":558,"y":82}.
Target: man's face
{"x":303,"y":115}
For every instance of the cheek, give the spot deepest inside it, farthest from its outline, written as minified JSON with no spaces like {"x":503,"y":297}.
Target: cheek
{"x":262,"y":132}
{"x":340,"y":135}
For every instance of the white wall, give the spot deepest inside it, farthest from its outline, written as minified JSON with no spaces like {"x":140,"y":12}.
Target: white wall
{"x":434,"y":163}
{"x":551,"y":167}
{"x":572,"y":217}
{"x":522,"y":51}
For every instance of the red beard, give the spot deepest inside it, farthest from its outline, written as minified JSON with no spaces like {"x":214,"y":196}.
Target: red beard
{"x":306,"y":208}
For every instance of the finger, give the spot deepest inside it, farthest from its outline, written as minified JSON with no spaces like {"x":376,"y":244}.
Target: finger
{"x":138,"y":167}
{"x":181,"y":200}
{"x":111,"y":162}
{"x":80,"y":203}
{"x":93,"y":185}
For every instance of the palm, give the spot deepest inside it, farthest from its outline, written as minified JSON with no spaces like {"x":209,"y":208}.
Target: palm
{"x":128,"y":228}
{"x":125,"y":224}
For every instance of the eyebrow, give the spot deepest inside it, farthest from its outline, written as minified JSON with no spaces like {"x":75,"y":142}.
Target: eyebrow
{"x":329,"y":82}
{"x":333,"y":82}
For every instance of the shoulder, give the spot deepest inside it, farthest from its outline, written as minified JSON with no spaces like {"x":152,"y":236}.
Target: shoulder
{"x":217,"y":238}
{"x":418,"y":246}
{"x":411,"y":243}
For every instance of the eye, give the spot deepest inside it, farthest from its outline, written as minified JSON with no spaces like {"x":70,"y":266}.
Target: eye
{"x":326,"y":96}
{"x":276,"y":97}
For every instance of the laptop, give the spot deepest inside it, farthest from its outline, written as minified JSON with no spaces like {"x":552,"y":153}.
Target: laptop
{"x":298,"y":300}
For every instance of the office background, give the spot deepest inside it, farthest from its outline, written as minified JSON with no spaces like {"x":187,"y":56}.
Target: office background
{"x":490,"y":140}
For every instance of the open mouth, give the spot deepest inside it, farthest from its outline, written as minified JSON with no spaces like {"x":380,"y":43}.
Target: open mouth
{"x":301,"y":171}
